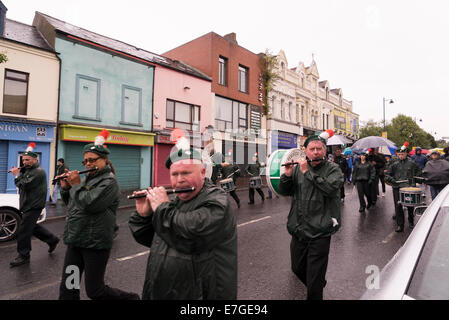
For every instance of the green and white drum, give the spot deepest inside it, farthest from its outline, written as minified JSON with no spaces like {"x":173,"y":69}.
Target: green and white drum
{"x":410,"y":196}
{"x":274,"y":168}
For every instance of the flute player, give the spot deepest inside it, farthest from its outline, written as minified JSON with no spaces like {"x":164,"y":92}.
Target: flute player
{"x":193,"y":238}
{"x":91,"y":203}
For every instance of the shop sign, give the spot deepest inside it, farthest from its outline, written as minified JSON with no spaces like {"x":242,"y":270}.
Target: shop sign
{"x":285,"y":139}
{"x":26,"y":131}
{"x":88,"y":134}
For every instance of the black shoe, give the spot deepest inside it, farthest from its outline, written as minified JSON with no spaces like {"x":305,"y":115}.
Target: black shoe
{"x":130,"y":296}
{"x":52,"y":246}
{"x":369,"y":205}
{"x":19,"y":260}
{"x":250,"y":202}
{"x":394,"y":217}
{"x":399,"y":229}
{"x":269,"y":197}
{"x":411,"y":224}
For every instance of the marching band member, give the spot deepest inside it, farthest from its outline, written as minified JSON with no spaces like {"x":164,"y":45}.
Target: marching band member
{"x":31,"y":180}
{"x":231,"y":171}
{"x":254,"y":171}
{"x":193,"y":238}
{"x":91,"y":203}
{"x":314,"y":216}
{"x":400,"y":170}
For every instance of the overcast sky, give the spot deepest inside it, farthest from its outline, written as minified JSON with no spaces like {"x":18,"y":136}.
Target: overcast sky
{"x":370,"y":48}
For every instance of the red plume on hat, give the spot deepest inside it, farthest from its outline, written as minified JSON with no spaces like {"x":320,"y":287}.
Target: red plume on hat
{"x":102,"y":137}
{"x":30,"y":147}
{"x":326,"y":134}
{"x":179,"y":137}
{"x":404,"y":147}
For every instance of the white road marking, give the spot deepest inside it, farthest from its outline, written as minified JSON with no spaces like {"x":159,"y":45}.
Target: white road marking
{"x":389,"y":237}
{"x":148,"y":251}
{"x":134,"y":256}
{"x":252,"y":221}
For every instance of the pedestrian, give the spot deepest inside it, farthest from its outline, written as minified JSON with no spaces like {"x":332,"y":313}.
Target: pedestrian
{"x":401,"y":173}
{"x":253,"y":170}
{"x":341,"y":161}
{"x":231,"y":171}
{"x":363,"y":175}
{"x":60,"y":169}
{"x":350,"y":168}
{"x":91,"y":203}
{"x":192,"y":238}
{"x":314,"y":185}
{"x":31,"y":180}
{"x":218,"y":162}
{"x":381,"y":170}
{"x":436,"y":173}
{"x":446,"y":153}
{"x":419,"y":158}
{"x":378,"y":164}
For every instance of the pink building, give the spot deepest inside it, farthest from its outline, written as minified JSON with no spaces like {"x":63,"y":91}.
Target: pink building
{"x":182,"y":99}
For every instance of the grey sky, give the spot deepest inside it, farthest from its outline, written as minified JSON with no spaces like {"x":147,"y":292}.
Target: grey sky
{"x":371,"y":49}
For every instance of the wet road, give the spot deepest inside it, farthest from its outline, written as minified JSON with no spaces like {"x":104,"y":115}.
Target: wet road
{"x":364,"y":240}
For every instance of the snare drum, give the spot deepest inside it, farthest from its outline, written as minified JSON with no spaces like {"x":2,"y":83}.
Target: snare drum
{"x":227,"y":185}
{"x":255,"y":182}
{"x":410,"y":196}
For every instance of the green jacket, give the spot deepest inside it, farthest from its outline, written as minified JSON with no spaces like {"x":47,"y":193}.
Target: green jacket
{"x":253,"y":169}
{"x":217,"y":159}
{"x":91,"y":207}
{"x":364,"y":172}
{"x":400,"y":170}
{"x":32,"y":184}
{"x":316,"y":200}
{"x":193,"y":247}
{"x":228,"y":170}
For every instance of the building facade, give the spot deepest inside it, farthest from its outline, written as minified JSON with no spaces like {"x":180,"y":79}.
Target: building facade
{"x":104,"y":83}
{"x":29,"y":98}
{"x":238,"y":120}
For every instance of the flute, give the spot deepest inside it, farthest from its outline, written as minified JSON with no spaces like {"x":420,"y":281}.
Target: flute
{"x":169,"y":191}
{"x":20,"y":168}
{"x":293,"y":163}
{"x":84,"y":171}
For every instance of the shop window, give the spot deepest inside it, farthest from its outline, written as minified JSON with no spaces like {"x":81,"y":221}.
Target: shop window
{"x":87,"y":98}
{"x":15,"y":93}
{"x":182,"y":115}
{"x":131,"y":106}
{"x":230,"y":114}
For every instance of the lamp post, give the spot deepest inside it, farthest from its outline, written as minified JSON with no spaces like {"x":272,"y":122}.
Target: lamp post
{"x":389,"y":101}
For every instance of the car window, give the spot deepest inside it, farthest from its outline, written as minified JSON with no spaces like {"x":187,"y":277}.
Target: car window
{"x":431,"y":277}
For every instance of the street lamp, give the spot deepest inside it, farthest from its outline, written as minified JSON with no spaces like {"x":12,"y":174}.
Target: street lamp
{"x":389,"y":101}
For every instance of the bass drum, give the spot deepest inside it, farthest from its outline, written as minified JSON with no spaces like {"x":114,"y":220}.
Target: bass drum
{"x":274,"y":168}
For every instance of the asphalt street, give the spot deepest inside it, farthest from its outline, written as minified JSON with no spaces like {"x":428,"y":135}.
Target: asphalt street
{"x":364,"y":240}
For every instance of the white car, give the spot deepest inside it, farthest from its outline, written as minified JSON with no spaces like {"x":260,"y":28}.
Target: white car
{"x":10,"y":216}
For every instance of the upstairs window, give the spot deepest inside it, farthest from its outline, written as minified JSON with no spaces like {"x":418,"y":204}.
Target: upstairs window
{"x":222,"y":70}
{"x":243,"y":79}
{"x":15,"y":93}
{"x":182,"y":115}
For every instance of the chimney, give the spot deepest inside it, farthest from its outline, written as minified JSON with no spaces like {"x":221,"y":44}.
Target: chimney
{"x":232,"y":37}
{"x":3,"y":10}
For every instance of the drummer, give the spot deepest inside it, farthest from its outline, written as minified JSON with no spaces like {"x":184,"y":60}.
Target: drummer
{"x":254,"y":171}
{"x":400,"y":170}
{"x":231,"y":170}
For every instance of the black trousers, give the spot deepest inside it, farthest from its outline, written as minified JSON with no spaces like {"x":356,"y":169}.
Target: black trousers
{"x":93,"y":263}
{"x":27,"y":228}
{"x":382,"y":181}
{"x":375,"y":189}
{"x":251,"y":194}
{"x":400,"y":211}
{"x":235,"y":196}
{"x":363,"y":190}
{"x":309,"y":259}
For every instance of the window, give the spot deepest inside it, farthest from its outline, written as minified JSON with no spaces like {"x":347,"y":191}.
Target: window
{"x":182,"y":115}
{"x":131,"y":106}
{"x":292,"y":112}
{"x":243,"y":79}
{"x":230,"y":114}
{"x":282,"y":110}
{"x":222,"y":70}
{"x":302,"y":114}
{"x":87,"y":98}
{"x":15,"y":94}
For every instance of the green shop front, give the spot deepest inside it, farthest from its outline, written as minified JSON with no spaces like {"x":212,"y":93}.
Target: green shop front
{"x":131,"y":153}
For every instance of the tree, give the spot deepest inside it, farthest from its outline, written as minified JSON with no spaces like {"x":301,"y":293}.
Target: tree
{"x":268,"y":63}
{"x":371,"y":128}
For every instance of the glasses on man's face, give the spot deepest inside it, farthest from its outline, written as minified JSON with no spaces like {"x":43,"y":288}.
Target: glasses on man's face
{"x":89,"y":160}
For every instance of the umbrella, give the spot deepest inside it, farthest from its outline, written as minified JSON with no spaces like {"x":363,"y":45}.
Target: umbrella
{"x":372,"y":142}
{"x":337,"y":140}
{"x":387,"y":150}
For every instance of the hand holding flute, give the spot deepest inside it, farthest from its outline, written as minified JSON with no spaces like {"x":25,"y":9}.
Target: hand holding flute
{"x":15,"y":171}
{"x":155,"y":196}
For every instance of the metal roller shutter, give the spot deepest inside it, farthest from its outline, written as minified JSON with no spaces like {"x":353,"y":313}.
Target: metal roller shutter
{"x":3,"y":165}
{"x":125,"y":159}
